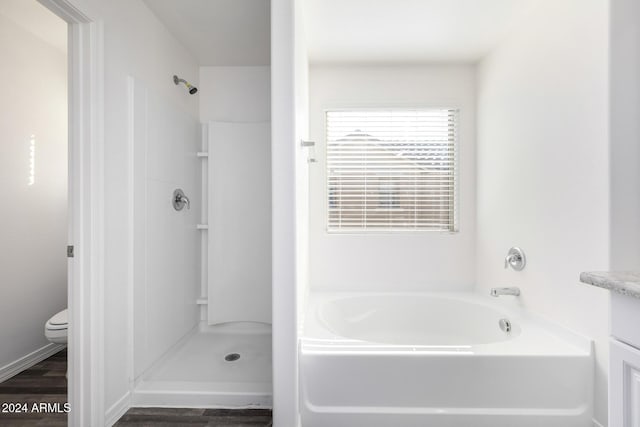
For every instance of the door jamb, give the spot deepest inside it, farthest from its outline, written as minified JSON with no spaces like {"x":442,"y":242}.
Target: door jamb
{"x":86,"y":214}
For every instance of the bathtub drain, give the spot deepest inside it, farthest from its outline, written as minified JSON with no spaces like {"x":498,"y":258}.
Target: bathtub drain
{"x":505,"y":325}
{"x":232,"y":357}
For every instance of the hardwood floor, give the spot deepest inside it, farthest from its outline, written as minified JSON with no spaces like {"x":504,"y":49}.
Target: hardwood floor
{"x":45,"y":383}
{"x":33,"y":389}
{"x":153,"y":417}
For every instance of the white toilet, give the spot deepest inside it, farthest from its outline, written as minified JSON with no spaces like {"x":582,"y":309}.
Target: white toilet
{"x":56,"y":328}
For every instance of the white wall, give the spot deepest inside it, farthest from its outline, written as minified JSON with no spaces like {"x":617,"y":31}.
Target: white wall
{"x":301,"y":69}
{"x":400,"y":261}
{"x":239,"y":244}
{"x":543,"y":173}
{"x":284,"y":86}
{"x":166,"y":245}
{"x":33,"y":221}
{"x":135,"y":44}
{"x":625,"y":134}
{"x":236,"y":102}
{"x":235,"y":94}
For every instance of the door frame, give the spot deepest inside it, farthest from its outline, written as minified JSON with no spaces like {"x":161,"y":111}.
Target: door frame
{"x":85,"y":214}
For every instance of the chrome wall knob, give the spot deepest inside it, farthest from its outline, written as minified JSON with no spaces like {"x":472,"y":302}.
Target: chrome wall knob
{"x":515,"y":259}
{"x":179,"y":200}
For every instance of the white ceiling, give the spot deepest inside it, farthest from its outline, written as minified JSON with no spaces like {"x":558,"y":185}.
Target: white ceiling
{"x":37,"y":20}
{"x":219,"y":32}
{"x":408,"y":31}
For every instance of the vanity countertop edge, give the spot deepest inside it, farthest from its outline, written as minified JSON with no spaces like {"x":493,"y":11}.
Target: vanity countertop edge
{"x":622,"y":282}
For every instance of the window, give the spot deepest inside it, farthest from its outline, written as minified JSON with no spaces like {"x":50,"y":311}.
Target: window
{"x":391,"y":170}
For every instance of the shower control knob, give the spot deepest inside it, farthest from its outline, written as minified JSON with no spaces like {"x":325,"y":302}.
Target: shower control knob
{"x":515,"y":259}
{"x":179,"y":200}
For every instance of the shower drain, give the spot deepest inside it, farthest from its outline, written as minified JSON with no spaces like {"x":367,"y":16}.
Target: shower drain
{"x":232,"y":357}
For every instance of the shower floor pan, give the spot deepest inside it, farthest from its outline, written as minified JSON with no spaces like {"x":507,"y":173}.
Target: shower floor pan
{"x":216,"y":366}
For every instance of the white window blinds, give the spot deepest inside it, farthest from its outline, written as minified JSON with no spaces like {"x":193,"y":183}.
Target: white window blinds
{"x":392,"y":170}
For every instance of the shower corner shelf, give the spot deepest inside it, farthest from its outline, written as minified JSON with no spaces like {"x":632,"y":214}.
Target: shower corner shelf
{"x":202,"y":301}
{"x":202,"y":226}
{"x":202,"y":154}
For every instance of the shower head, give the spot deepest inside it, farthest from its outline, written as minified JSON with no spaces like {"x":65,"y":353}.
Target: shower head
{"x":192,"y":89}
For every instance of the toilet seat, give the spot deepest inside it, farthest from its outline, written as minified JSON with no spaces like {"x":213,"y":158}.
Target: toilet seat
{"x":56,"y":328}
{"x":59,"y":320}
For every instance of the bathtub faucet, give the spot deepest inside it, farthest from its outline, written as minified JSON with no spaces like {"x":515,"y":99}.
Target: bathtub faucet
{"x":496,"y":292}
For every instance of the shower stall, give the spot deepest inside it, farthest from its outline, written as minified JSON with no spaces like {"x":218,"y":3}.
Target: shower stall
{"x":201,"y":294}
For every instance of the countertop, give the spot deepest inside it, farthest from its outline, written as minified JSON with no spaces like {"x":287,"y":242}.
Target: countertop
{"x":622,"y":282}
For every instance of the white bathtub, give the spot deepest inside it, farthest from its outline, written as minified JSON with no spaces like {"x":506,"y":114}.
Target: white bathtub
{"x":438,"y":360}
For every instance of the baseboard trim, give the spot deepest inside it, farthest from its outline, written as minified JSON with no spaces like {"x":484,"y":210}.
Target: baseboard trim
{"x":596,"y":424}
{"x":118,"y":409}
{"x":25,"y":362}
